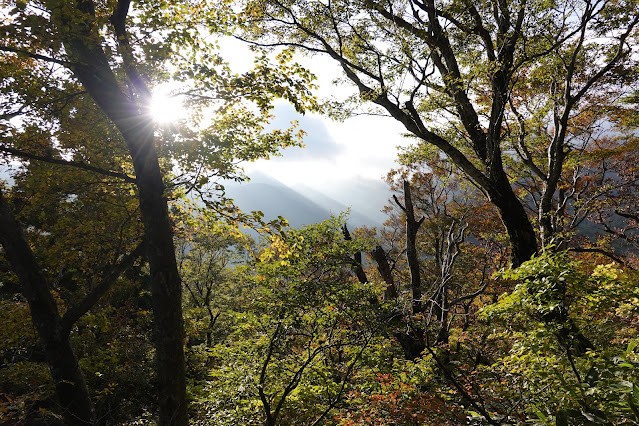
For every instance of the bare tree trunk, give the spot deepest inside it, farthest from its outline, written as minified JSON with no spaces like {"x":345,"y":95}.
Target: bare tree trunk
{"x":357,"y":262}
{"x":442,"y":333}
{"x":385,"y":271}
{"x":412,"y":227}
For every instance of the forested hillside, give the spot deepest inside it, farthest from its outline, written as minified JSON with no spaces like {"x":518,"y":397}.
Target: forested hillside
{"x":502,"y":288}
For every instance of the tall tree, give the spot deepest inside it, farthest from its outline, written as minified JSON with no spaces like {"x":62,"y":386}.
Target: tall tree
{"x":79,"y":32}
{"x":457,"y":74}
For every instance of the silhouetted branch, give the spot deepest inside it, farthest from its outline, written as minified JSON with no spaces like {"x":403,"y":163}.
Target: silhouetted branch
{"x":73,"y":314}
{"x":60,"y":161}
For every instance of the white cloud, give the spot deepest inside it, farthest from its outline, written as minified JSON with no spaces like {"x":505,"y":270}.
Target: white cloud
{"x":362,"y":146}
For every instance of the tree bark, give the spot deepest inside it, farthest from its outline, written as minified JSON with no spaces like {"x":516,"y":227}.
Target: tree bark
{"x":357,"y":258}
{"x":521,"y":233}
{"x":442,"y":312}
{"x":385,"y":271}
{"x":70,"y":387}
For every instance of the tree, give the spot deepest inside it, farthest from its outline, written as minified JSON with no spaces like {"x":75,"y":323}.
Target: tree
{"x":96,"y":54}
{"x":484,"y":84}
{"x":67,"y":253}
{"x":208,"y":250}
{"x":70,"y":385}
{"x":323,"y":321}
{"x":41,"y":286}
{"x":453,"y":256}
{"x":556,"y":384}
{"x":300,"y":327}
{"x":613,"y":216}
{"x":542,"y":341}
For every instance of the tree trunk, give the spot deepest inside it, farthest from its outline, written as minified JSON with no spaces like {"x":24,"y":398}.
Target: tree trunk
{"x":412,"y":343}
{"x":412,"y":227}
{"x":390,"y":293}
{"x":521,"y":233}
{"x":70,"y":386}
{"x":357,"y":258}
{"x":442,"y":333}
{"x":166,"y":293}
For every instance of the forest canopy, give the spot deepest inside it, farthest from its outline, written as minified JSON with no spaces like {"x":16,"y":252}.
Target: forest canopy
{"x":500,"y":290}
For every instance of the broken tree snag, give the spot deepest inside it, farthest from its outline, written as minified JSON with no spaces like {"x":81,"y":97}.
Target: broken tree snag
{"x":357,"y":261}
{"x":412,"y":227}
{"x":385,"y":271}
{"x":456,"y":236}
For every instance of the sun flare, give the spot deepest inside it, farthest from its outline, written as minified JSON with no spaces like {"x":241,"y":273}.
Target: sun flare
{"x":166,"y":108}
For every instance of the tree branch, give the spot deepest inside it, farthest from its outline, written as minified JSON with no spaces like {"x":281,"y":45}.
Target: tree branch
{"x":600,"y":251}
{"x":73,"y":314}
{"x":77,"y":164}
{"x":34,"y":55}
{"x":118,"y":20}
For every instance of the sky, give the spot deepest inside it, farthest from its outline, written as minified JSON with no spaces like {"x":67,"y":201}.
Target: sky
{"x":361,"y":147}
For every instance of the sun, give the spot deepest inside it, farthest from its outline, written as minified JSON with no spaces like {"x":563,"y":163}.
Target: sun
{"x":166,"y":108}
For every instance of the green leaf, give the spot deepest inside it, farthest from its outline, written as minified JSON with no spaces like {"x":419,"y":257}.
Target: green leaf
{"x":596,"y":416}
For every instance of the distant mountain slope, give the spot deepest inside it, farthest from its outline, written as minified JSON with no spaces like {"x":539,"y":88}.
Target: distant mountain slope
{"x":358,"y":214}
{"x":300,"y":207}
{"x":364,"y":196}
{"x":276,"y":201}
